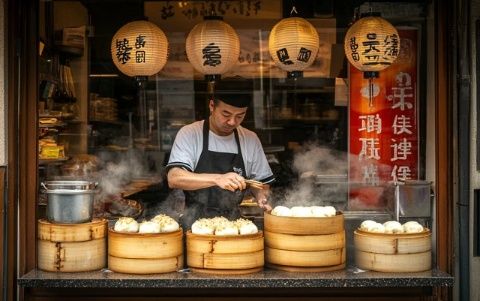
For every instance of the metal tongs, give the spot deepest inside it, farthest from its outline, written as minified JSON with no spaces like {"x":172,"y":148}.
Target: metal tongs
{"x":254,"y":184}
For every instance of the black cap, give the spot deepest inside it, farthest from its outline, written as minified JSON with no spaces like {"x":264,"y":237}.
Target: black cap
{"x":236,"y":100}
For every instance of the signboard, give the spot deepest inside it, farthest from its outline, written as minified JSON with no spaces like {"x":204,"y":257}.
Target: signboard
{"x":383,"y":132}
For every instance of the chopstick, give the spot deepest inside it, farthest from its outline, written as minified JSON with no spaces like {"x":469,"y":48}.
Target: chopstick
{"x":254,"y":184}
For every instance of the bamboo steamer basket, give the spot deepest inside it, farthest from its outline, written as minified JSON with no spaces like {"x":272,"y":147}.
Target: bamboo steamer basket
{"x":384,"y":252}
{"x":230,"y":254}
{"x":334,"y":257}
{"x":305,"y":244}
{"x":145,"y":253}
{"x":304,"y":225}
{"x":72,"y":247}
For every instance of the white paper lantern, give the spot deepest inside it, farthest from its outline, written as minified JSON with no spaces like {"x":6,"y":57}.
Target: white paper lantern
{"x":139,"y":49}
{"x":372,"y":44}
{"x":213,"y":47}
{"x":293,"y":44}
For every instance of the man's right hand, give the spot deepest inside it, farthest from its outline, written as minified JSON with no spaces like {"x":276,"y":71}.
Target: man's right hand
{"x":231,"y":181}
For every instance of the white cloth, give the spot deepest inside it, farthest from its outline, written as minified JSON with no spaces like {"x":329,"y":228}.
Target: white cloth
{"x":188,"y":144}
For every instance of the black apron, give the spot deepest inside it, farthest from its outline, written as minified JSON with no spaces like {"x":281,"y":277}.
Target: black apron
{"x":214,"y":201}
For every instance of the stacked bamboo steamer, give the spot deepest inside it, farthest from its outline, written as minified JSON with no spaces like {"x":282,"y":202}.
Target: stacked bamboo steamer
{"x":229,"y":254}
{"x":305,"y":244}
{"x":145,"y":253}
{"x":72,"y":247}
{"x":387,"y":252}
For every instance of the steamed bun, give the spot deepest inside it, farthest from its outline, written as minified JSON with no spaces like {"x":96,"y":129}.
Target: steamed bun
{"x":393,"y":227}
{"x":412,"y":227}
{"x":281,"y":211}
{"x":149,"y":227}
{"x":126,"y":224}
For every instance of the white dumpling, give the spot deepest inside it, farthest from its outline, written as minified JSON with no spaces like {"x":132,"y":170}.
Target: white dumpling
{"x":365,"y":225}
{"x":227,"y":228}
{"x":149,"y":227}
{"x":412,"y":227}
{"x":169,"y":226}
{"x":246,"y":227}
{"x":203,"y":227}
{"x":330,"y":211}
{"x":281,"y":211}
{"x":301,"y":211}
{"x":376,"y":228}
{"x":393,"y":227}
{"x":318,"y":211}
{"x":126,"y":224}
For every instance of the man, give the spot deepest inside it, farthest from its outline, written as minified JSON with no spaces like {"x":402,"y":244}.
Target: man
{"x":210,"y":160}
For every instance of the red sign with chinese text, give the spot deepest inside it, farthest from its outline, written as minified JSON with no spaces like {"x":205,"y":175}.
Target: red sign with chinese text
{"x":383,"y":132}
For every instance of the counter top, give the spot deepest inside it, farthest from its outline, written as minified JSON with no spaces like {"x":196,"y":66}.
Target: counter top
{"x":350,"y":277}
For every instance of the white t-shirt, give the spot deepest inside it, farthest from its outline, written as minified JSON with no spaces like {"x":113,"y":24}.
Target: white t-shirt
{"x":188,"y":145}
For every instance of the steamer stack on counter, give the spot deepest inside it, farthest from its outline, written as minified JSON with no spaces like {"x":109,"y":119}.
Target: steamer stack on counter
{"x":70,"y":241}
{"x":145,"y":253}
{"x":150,"y":247}
{"x":219,"y":246}
{"x":393,"y":252}
{"x":305,"y":244}
{"x":72,"y":247}
{"x":213,"y":254}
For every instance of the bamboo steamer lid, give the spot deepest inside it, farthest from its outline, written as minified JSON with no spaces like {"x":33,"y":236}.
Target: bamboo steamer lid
{"x":416,"y":262}
{"x":145,"y":265}
{"x":145,"y":245}
{"x":304,"y":258}
{"x":229,"y":261}
{"x":304,"y":225}
{"x":230,"y":244}
{"x":305,"y":242}
{"x":383,"y":243}
{"x":95,"y":229}
{"x":72,"y":256}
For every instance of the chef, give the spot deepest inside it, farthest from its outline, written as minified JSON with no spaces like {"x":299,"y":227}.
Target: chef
{"x":210,"y":160}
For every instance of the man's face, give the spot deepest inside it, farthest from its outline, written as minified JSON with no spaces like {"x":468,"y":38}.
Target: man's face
{"x":224,"y":118}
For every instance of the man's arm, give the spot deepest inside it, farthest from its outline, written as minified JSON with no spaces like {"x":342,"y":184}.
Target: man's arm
{"x":187,"y":180}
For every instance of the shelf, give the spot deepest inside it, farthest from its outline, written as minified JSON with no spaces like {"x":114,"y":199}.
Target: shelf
{"x":105,"y":122}
{"x":52,"y":125}
{"x":52,"y":161}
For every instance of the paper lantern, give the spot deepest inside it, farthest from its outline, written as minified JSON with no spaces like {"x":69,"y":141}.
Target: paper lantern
{"x":371,"y":45}
{"x":139,"y":49}
{"x":213,"y":47}
{"x":293,"y":45}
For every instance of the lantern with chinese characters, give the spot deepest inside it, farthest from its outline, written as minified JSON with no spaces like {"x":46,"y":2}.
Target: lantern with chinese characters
{"x":139,"y":49}
{"x":371,"y":44}
{"x":293,"y":45}
{"x":213,"y":47}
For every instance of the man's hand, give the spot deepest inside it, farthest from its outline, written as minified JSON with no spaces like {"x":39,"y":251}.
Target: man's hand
{"x":231,"y":181}
{"x":263,"y":203}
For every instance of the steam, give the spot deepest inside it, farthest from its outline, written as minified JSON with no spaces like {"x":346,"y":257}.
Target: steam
{"x":116,"y":174}
{"x":310,"y":162}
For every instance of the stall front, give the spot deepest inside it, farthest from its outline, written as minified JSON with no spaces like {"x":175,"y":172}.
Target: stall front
{"x":339,"y":100}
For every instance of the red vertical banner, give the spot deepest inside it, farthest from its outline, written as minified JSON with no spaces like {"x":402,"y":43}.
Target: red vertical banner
{"x":383,"y":127}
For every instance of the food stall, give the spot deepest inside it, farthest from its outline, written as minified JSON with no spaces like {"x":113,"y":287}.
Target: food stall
{"x":356,"y":204}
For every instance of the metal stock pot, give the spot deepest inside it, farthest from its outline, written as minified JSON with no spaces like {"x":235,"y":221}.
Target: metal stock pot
{"x":69,"y":202}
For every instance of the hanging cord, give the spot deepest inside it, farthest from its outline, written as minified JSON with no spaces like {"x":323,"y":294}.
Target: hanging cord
{"x":293,"y":11}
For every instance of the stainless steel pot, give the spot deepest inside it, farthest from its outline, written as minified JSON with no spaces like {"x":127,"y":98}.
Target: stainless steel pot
{"x":70,"y":202}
